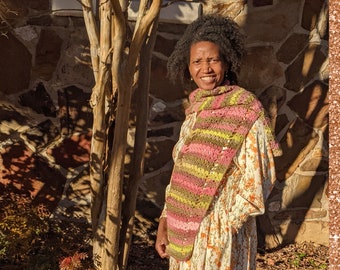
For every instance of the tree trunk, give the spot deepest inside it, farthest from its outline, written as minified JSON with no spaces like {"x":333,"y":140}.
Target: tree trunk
{"x":99,"y":129}
{"x":109,"y":38}
{"x":137,"y":166}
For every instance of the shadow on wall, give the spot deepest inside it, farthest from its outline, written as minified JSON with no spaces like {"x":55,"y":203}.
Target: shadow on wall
{"x":36,"y":159}
{"x":301,"y":122}
{"x":24,"y":173}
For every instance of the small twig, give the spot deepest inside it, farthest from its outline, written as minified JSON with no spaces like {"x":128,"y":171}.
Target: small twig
{"x":4,"y":10}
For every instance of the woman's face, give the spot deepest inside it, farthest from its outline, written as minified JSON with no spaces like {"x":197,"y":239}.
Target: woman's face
{"x":206,"y":67}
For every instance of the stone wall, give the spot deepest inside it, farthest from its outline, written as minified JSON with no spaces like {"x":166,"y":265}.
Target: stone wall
{"x":45,"y":73}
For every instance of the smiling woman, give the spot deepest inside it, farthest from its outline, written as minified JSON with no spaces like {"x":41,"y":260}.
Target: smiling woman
{"x":222,"y":32}
{"x":224,"y":159}
{"x":205,"y":67}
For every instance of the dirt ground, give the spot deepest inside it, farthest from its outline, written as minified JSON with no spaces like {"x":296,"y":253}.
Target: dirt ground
{"x":295,"y":256}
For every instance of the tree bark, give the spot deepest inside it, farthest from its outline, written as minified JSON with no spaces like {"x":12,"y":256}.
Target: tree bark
{"x":112,"y":62}
{"x":102,"y":74}
{"x":137,"y":166}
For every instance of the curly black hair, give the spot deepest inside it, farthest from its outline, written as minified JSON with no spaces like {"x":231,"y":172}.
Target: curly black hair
{"x":220,"y":30}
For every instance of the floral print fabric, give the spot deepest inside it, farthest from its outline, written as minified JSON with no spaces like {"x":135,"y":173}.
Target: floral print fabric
{"x":227,"y":235}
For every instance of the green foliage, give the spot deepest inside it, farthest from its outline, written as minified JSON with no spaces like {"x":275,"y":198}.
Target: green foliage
{"x":323,"y":266}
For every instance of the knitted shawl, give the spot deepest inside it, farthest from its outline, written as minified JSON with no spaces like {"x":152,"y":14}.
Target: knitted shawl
{"x":224,"y":117}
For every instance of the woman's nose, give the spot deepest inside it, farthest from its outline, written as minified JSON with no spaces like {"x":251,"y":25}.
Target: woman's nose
{"x":206,"y":66}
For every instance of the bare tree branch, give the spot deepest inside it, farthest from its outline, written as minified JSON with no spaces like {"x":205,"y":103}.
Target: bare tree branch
{"x":93,"y":34}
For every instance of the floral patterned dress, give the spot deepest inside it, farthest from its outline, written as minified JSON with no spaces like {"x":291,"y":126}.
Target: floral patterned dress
{"x":227,"y":236}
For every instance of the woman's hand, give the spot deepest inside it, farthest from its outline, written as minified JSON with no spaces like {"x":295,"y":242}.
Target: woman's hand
{"x":162,"y":238}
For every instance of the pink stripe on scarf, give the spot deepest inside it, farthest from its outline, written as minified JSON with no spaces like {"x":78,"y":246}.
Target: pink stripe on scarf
{"x":235,"y":113}
{"x":183,"y":225}
{"x":184,"y":182}
{"x":217,"y":101}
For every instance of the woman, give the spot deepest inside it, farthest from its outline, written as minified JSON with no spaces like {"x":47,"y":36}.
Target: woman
{"x":223,"y":161}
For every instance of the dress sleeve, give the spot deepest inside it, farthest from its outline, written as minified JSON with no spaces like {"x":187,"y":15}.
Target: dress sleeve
{"x":163,"y":214}
{"x":255,"y":160}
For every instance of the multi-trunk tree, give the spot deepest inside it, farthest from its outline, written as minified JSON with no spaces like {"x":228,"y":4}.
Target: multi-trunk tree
{"x":121,"y":55}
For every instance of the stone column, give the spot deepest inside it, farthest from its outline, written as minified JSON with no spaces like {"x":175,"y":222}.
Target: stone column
{"x":334,"y":154}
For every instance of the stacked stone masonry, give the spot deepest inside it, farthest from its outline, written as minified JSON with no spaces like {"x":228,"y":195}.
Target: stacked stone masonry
{"x":47,"y":79}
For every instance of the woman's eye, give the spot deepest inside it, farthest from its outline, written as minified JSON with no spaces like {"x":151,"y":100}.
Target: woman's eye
{"x":208,"y":61}
{"x":214,"y":60}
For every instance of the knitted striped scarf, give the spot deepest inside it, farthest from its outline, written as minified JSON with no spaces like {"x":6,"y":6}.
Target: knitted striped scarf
{"x":224,"y":118}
